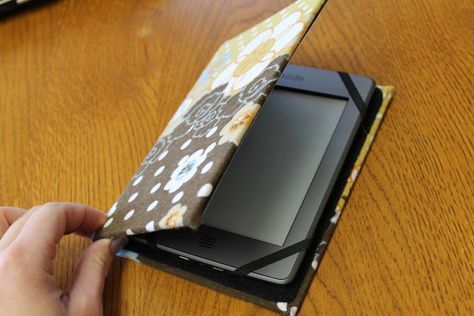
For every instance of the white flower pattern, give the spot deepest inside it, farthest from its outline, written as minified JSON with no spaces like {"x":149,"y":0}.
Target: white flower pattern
{"x":186,"y":169}
{"x":259,"y":52}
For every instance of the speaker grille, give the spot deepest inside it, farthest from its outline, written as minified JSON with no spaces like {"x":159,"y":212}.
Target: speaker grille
{"x":207,"y":242}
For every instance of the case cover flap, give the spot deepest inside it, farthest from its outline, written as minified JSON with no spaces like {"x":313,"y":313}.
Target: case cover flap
{"x":175,"y":180}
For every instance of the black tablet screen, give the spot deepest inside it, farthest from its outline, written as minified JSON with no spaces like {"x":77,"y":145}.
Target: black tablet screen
{"x":260,"y":194}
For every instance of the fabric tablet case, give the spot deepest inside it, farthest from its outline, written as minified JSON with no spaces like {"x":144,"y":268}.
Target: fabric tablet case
{"x":174,"y":182}
{"x":285,"y":299}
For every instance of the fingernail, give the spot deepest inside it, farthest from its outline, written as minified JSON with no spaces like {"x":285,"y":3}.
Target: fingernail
{"x":118,"y":243}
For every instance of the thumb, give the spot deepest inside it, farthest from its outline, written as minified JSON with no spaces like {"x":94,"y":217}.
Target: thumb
{"x":86,"y":288}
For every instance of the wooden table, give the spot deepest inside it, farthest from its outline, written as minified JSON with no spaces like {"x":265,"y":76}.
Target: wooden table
{"x":87,"y":86}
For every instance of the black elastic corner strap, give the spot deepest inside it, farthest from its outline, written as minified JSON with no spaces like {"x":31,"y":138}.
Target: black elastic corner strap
{"x":273,"y":257}
{"x":304,"y":244}
{"x":353,"y":92}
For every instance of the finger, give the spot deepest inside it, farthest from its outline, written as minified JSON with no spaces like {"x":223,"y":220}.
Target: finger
{"x":87,"y":285}
{"x":8,"y":215}
{"x":46,"y":226}
{"x":15,"y":228}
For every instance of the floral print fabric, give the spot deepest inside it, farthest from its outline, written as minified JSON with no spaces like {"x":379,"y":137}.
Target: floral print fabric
{"x":175,"y":180}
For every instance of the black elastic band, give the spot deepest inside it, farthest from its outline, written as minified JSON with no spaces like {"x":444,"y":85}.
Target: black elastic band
{"x":353,"y":92}
{"x":273,"y":257}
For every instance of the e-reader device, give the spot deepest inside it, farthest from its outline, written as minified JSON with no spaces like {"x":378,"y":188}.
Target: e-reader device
{"x":272,"y":194}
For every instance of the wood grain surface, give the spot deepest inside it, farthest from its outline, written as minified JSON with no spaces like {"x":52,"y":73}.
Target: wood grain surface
{"x":87,"y":86}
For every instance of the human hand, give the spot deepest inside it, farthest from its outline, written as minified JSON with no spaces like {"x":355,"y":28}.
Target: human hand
{"x":28,"y":241}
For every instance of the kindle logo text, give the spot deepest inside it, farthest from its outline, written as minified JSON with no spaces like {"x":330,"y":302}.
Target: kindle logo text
{"x":293,"y":77}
